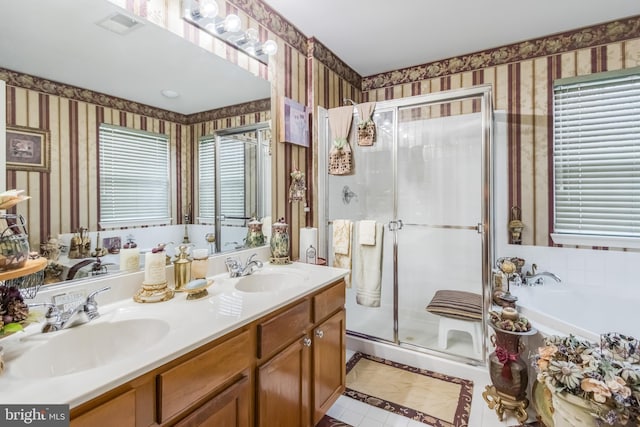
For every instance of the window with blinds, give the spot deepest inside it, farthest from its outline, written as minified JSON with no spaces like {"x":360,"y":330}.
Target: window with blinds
{"x":596,"y":156}
{"x":207,"y":179}
{"x":134,"y":177}
{"x":232,"y":178}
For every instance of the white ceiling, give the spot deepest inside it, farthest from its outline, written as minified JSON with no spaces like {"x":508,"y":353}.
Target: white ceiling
{"x":374,"y":36}
{"x":59,"y":40}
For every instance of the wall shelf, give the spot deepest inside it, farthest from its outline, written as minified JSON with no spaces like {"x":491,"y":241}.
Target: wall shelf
{"x":30,"y":267}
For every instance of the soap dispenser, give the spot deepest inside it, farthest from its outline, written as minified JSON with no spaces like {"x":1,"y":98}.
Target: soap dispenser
{"x":182,"y":267}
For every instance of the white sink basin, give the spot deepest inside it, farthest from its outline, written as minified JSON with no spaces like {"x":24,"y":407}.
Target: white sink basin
{"x":272,"y":280}
{"x":87,"y":347}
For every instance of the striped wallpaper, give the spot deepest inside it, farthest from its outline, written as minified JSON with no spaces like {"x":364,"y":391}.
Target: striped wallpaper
{"x":67,"y":197}
{"x":309,"y":73}
{"x":524,"y":90}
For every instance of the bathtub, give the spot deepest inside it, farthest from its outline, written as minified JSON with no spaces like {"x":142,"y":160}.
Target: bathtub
{"x":586,"y":311}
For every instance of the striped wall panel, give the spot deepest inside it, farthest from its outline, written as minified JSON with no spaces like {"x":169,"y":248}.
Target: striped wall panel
{"x":524,"y":90}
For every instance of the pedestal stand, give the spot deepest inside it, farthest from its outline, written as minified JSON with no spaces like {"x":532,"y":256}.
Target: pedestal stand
{"x":502,"y":402}
{"x":153,"y":293}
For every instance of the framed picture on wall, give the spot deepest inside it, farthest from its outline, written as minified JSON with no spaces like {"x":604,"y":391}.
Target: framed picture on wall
{"x":295,"y":128}
{"x":27,"y":149}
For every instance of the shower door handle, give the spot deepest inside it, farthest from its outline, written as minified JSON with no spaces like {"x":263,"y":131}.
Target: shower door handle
{"x":395,"y":225}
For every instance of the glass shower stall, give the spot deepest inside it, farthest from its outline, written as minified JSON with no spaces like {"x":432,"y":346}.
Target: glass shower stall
{"x":427,"y":179}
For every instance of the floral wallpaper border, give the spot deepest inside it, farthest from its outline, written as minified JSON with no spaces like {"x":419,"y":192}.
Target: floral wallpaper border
{"x":251,"y":107}
{"x":587,"y":37}
{"x":272,"y":20}
{"x":322,"y":53}
{"x":26,"y":81}
{"x":311,"y":47}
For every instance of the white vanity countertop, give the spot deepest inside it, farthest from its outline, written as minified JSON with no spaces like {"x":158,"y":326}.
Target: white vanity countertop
{"x":191,"y":325}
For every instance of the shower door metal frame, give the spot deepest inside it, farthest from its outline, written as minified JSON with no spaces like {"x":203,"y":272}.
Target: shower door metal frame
{"x":485,"y":228}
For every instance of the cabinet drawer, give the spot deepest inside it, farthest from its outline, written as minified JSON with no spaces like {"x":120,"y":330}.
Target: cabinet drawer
{"x":328,"y":301}
{"x":283,"y":328}
{"x":184,"y":384}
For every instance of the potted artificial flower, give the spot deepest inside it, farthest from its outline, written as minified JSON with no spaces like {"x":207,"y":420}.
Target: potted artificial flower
{"x":591,"y":384}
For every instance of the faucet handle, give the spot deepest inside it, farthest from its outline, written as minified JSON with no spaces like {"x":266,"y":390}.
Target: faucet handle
{"x":91,"y":306}
{"x":53,"y":317}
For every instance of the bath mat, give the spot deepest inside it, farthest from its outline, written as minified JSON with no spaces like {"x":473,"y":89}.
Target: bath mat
{"x":425,"y":396}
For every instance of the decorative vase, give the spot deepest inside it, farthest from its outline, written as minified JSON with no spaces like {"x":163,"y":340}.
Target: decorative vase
{"x":572,"y":411}
{"x":508,"y":371}
{"x":280,"y":239}
{"x":255,"y":237}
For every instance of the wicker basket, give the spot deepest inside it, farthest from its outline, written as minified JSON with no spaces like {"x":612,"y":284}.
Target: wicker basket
{"x":14,"y":242}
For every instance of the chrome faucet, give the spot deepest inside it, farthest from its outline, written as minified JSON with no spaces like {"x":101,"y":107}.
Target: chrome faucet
{"x":533,"y":278}
{"x":79,"y":315}
{"x":235,"y":268}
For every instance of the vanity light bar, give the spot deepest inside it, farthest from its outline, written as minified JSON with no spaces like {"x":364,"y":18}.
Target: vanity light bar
{"x":204,"y":15}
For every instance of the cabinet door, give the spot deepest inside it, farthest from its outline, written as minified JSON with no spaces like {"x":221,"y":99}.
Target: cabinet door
{"x":283,"y":397}
{"x":329,"y":369}
{"x":230,"y":408}
{"x":119,"y":411}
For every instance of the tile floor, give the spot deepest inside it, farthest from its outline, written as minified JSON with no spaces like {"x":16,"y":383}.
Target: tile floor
{"x":359,"y":414}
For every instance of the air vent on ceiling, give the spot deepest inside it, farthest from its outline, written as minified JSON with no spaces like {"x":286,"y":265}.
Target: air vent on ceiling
{"x":119,"y":23}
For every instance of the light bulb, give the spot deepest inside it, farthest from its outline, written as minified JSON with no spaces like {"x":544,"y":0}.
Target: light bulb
{"x":270,"y":47}
{"x":251,"y":35}
{"x":209,"y":8}
{"x":232,"y":23}
{"x":251,"y":50}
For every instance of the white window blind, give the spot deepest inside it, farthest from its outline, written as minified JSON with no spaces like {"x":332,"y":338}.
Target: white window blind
{"x":207,"y":179}
{"x":134,"y":177}
{"x":232,"y":178}
{"x":597,"y":157}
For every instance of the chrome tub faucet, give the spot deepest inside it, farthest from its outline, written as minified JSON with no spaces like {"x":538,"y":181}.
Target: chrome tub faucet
{"x":534,"y":278}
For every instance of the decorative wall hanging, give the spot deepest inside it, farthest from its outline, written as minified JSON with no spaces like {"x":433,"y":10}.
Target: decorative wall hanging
{"x":515,"y":226}
{"x":27,"y":149}
{"x":366,"y":127}
{"x":340,"y":156}
{"x":298,"y":187}
{"x":295,"y":128}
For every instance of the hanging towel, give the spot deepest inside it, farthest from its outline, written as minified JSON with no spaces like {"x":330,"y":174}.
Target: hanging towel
{"x":342,"y":230}
{"x":366,"y":127}
{"x":340,"y":156}
{"x":367,"y":232}
{"x":367,"y":272}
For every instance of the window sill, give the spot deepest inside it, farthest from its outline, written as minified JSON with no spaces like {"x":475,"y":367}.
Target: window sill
{"x":134,"y":224}
{"x":587,"y":240}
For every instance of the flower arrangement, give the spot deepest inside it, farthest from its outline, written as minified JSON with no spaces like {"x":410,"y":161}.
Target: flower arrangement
{"x":607,"y":376}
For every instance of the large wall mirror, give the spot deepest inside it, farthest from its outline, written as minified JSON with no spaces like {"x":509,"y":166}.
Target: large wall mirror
{"x":69,"y":67}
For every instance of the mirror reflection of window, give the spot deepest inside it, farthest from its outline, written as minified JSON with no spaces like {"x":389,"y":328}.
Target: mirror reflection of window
{"x":234,"y":181}
{"x":134,"y":177}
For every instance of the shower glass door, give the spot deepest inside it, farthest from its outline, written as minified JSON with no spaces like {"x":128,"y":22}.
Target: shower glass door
{"x":440,"y":205}
{"x":368,"y":195}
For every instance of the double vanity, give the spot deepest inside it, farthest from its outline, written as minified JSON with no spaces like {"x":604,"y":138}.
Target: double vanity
{"x":263,"y":349}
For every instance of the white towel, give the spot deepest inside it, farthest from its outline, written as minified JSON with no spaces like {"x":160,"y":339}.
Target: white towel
{"x":367,"y":274}
{"x":341,"y":236}
{"x":342,"y":230}
{"x":367,"y":232}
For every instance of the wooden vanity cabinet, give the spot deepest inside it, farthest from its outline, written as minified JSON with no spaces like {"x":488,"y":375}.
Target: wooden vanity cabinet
{"x":285,"y":369}
{"x":298,"y":379}
{"x":329,"y":368}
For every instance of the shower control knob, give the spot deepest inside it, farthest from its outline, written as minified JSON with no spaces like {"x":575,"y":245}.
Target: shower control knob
{"x":306,"y":342}
{"x":319,"y":333}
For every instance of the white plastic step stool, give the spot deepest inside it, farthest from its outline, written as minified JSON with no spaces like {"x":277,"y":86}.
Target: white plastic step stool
{"x":472,"y":328}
